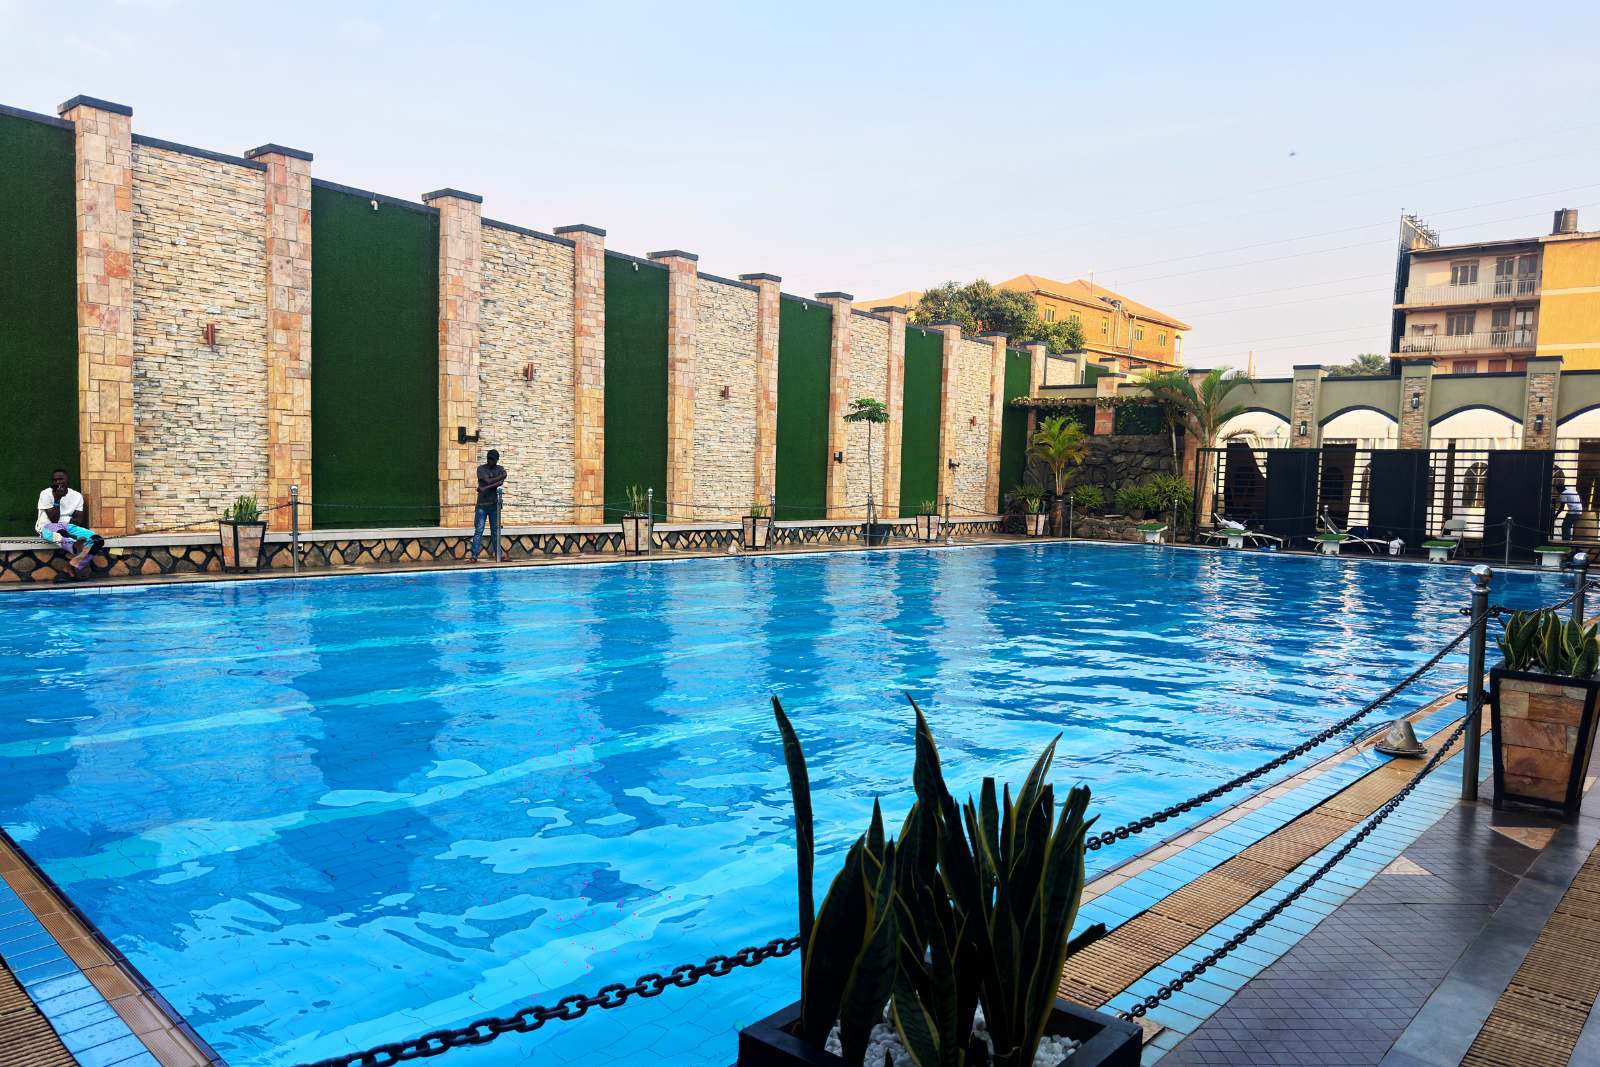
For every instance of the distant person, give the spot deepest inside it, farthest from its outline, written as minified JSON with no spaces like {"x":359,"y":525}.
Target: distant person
{"x":1573,"y":503}
{"x":60,"y":510}
{"x":491,"y":476}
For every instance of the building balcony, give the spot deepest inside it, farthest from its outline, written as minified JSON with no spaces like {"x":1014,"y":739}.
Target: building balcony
{"x":1522,"y":287}
{"x":1487,"y":341}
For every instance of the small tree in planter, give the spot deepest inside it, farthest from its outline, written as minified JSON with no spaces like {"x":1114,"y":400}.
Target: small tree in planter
{"x":928,"y":520}
{"x":1059,"y":443}
{"x":757,"y":527}
{"x":242,"y":534}
{"x":1031,"y":500}
{"x":873,"y":413}
{"x":636,"y":523}
{"x":1542,"y":710}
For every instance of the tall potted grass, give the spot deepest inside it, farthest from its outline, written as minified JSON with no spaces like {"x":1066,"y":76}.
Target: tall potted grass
{"x":928,"y":520}
{"x":636,"y":522}
{"x":757,"y":527}
{"x":1031,"y":499}
{"x":242,"y":533}
{"x":1542,"y":702}
{"x":972,"y":906}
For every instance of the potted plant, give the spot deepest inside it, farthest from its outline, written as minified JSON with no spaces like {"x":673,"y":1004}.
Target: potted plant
{"x":1542,"y":711}
{"x":928,"y":520}
{"x":636,"y":522}
{"x":757,"y":525}
{"x":1059,"y":443}
{"x":1169,"y":493}
{"x":963,"y":911}
{"x":1088,"y":498}
{"x":1031,"y":500}
{"x":1135,"y":501}
{"x":242,"y":533}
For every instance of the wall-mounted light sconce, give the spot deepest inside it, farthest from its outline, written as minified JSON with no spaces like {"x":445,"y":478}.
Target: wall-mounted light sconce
{"x":1416,"y":401}
{"x":1302,"y":427}
{"x":209,"y":333}
{"x":462,"y":436}
{"x":527,"y":373}
{"x":1538,"y":424}
{"x":838,"y":457}
{"x":974,"y":420}
{"x":953,"y":464}
{"x":725,"y":392}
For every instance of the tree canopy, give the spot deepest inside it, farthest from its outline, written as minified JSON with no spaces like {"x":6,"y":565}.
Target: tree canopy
{"x":981,"y":308}
{"x":1367,"y":363}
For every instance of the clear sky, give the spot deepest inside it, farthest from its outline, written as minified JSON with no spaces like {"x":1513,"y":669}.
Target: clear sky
{"x":1241,"y":167}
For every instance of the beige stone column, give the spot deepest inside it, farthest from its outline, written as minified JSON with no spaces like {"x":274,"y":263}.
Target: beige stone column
{"x":588,"y":371}
{"x":287,"y":216}
{"x":1416,"y":388}
{"x":948,"y":391}
{"x":896,"y":403}
{"x":1303,"y":429}
{"x":838,"y":401}
{"x":997,"y":400}
{"x":1105,"y":418}
{"x":1539,"y":412}
{"x":1038,"y":352}
{"x":683,"y":298}
{"x":104,"y":183}
{"x":767,"y":308}
{"x":460,"y":301}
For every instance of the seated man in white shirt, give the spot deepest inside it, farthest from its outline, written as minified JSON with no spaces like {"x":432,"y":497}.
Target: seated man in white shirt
{"x":60,"y":509}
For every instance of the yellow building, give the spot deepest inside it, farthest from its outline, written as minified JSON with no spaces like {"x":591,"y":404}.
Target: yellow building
{"x":1118,"y":330}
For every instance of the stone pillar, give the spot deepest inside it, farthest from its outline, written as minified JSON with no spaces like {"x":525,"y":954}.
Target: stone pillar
{"x":766,"y":481}
{"x":1303,"y":429}
{"x":947,"y":402}
{"x":588,"y":372}
{"x":683,"y":299}
{"x":460,"y":300}
{"x":896,"y":403}
{"x":997,"y":400}
{"x":287,"y":214}
{"x":104,"y":182}
{"x":1416,"y":387}
{"x":838,"y":400}
{"x":1105,"y":418}
{"x":1539,"y":413}
{"x":1037,"y":354}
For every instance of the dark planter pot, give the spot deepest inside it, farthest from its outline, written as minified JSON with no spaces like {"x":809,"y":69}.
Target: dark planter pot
{"x":1543,"y":729}
{"x":1136,"y":514}
{"x":1037,"y":523}
{"x":241,"y":545}
{"x":636,"y":531}
{"x":878,"y":533}
{"x":927,"y":527}
{"x":755,"y":532}
{"x":1106,"y":1041}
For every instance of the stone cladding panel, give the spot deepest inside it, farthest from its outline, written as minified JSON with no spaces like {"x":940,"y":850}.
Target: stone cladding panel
{"x":969,"y":445}
{"x":1541,"y":401}
{"x":725,"y":430}
{"x":526,"y":318}
{"x":868,"y":376}
{"x":200,"y":410}
{"x":1305,"y":410}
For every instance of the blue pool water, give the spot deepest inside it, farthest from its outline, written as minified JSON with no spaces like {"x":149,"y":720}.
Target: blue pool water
{"x":329,"y":813}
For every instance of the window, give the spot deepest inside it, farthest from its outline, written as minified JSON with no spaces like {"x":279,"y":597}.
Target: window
{"x":1496,"y":366}
{"x":1523,"y":332}
{"x":1138,"y":333}
{"x":1074,"y":318}
{"x":1161,"y":340}
{"x":1469,"y":366}
{"x":1500,"y":325}
{"x":1472,"y":485}
{"x":1464,"y":273}
{"x":1459,"y":325}
{"x":1049,"y":314}
{"x":1527,"y":275}
{"x":1105,"y":327}
{"x":1504,"y":270}
{"x":1177,"y":344}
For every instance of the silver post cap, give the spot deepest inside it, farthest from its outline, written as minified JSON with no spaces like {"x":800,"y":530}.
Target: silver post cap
{"x":1580,"y":559}
{"x":1482,"y":575}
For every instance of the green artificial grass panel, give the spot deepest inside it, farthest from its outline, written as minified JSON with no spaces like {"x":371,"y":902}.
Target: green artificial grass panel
{"x":1014,"y":423}
{"x":636,"y":384}
{"x":38,"y":316}
{"x":920,"y":413}
{"x":375,"y":363}
{"x":805,"y":347}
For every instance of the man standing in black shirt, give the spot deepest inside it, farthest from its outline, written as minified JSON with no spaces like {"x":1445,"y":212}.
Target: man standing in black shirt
{"x":491,"y":476}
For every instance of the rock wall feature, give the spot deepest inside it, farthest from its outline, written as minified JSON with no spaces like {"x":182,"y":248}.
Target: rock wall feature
{"x":969,"y":423}
{"x":726,"y":456}
{"x":526,"y":323}
{"x":1115,"y":462}
{"x":199,"y":259}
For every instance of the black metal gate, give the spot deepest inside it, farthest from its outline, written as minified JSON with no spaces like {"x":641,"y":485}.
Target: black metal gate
{"x":1399,"y":487}
{"x":1291,"y":505}
{"x":1519,"y":496}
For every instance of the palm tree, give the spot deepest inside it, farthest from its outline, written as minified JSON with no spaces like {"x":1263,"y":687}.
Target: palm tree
{"x":1161,"y":382}
{"x":1204,"y":410}
{"x":871,"y":412}
{"x":1059,"y":443}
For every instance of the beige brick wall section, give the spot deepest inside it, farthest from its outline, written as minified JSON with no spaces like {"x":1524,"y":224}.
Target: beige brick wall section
{"x":460,"y":300}
{"x":288,"y":259}
{"x":766,"y":355}
{"x":896,"y":400}
{"x":997,"y":395}
{"x":869,"y":376}
{"x":969,"y":425}
{"x":526,"y":319}
{"x":1415,"y":381}
{"x":683,"y":298}
{"x":199,"y":259}
{"x":837,"y":498}
{"x":949,"y":400}
{"x":1542,"y":385}
{"x":1305,"y":410}
{"x":725,"y":434}
{"x":104,"y":180}
{"x":588,"y":374}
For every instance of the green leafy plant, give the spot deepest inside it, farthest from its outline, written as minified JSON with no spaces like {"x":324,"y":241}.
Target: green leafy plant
{"x":1059,"y":442}
{"x":928,"y":507}
{"x":1088,"y":497}
{"x":638,"y":499}
{"x":1030,"y":498}
{"x":1540,"y":639}
{"x":1169,"y":489}
{"x":1137,"y":498}
{"x":758,"y":510}
{"x":873,"y":413}
{"x":244,"y":509}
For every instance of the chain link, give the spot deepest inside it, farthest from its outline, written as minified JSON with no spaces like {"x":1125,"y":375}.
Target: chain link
{"x":566,"y":1009}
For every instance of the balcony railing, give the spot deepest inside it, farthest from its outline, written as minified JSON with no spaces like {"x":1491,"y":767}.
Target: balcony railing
{"x":1505,"y":288}
{"x":1489,"y":340}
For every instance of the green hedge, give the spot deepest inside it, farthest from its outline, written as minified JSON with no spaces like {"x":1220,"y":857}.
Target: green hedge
{"x":636,"y":383}
{"x":38,"y":316}
{"x":375,"y":362}
{"x":919,"y":433}
{"x":1140,"y":419}
{"x":805,"y":347}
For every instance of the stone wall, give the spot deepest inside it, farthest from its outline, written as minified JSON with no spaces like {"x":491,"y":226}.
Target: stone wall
{"x":970,"y":446}
{"x":527,"y":318}
{"x":869,"y":376}
{"x":725,"y":430}
{"x":200,"y":411}
{"x":1116,"y":462}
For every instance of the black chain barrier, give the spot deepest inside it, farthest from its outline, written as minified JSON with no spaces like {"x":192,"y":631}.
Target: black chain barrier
{"x":567,"y":1009}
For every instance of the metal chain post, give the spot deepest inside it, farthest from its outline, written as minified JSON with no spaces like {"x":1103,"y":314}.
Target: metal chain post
{"x":1482,"y":575}
{"x":499,"y":504}
{"x":650,"y":519}
{"x":1580,"y":560}
{"x":1508,"y":525}
{"x":294,"y":520}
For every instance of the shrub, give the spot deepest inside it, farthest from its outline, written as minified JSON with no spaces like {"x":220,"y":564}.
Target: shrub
{"x":1088,"y":497}
{"x":1137,"y":498}
{"x":1168,"y":489}
{"x":245,"y":509}
{"x":1029,"y":498}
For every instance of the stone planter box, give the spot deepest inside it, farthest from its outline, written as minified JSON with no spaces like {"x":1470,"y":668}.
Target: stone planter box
{"x":756,"y":530}
{"x":927,"y":527}
{"x":878,"y":534}
{"x":1543,"y":730}
{"x":241,"y":545}
{"x":636,"y":534}
{"x":1036,"y":523}
{"x":1106,"y":1041}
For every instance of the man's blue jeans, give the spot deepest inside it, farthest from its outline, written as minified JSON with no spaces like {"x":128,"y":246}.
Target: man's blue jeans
{"x":479,"y":516}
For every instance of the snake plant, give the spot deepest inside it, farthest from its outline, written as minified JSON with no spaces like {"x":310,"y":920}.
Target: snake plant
{"x":1539,"y":638}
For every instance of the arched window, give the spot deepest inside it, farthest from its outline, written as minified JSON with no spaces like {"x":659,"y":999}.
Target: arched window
{"x":1472,"y":485}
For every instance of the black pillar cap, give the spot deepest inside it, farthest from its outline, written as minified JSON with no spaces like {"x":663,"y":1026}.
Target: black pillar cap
{"x":945,"y":322}
{"x":981,"y":336}
{"x":277,"y":150}
{"x":673,"y":253}
{"x":835,"y":296}
{"x":581,"y":227}
{"x":89,"y":101}
{"x":759,"y":278}
{"x":440,"y":194}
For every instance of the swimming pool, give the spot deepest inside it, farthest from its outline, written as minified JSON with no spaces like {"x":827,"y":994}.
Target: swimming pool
{"x":327,"y":813}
